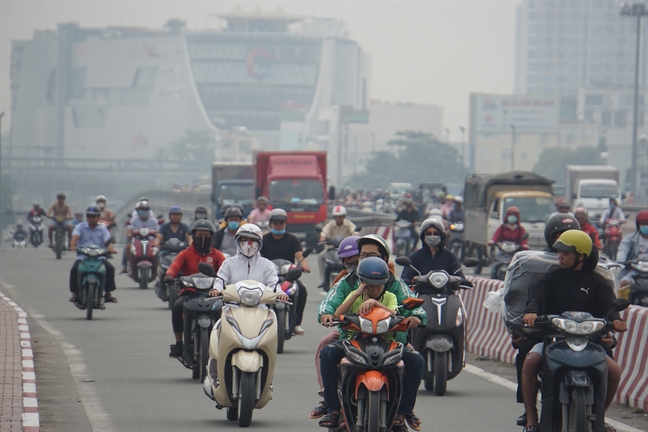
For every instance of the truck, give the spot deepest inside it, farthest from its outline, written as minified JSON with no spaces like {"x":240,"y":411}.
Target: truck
{"x":592,"y":186}
{"x":232,"y":182}
{"x":295,"y":182}
{"x":488,"y":196}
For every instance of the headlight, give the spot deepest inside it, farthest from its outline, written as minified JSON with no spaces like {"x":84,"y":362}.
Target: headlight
{"x":509,"y":247}
{"x":383,"y":326}
{"x":250,"y":297}
{"x":92,"y":252}
{"x":459,"y":319}
{"x":366,"y":326}
{"x":583,"y":328}
{"x":204,"y":321}
{"x":203,"y":282}
{"x":187,"y":284}
{"x":438,"y":279}
{"x":642,"y":266}
{"x":358,"y":358}
{"x":144,"y":232}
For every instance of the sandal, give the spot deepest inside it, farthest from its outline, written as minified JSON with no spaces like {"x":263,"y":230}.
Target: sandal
{"x":609,"y":428}
{"x":534,"y":428}
{"x":299,"y":331}
{"x":330,"y":420}
{"x":318,"y":411}
{"x":399,"y":424}
{"x":413,"y":421}
{"x":108,"y":298}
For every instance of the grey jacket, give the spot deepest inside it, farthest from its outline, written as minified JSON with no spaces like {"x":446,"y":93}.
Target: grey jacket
{"x":628,"y":251}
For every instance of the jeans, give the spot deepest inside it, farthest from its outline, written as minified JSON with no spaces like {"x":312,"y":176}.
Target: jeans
{"x":301,"y":302}
{"x":176,"y":314}
{"x":330,"y":358}
{"x":110,"y":277}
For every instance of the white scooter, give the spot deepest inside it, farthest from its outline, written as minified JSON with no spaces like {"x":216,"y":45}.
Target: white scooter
{"x":243,"y":349}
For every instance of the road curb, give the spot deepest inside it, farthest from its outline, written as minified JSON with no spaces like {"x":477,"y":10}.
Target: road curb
{"x":18,"y":338}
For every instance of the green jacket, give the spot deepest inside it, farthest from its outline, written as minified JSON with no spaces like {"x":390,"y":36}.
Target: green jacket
{"x":339,"y":292}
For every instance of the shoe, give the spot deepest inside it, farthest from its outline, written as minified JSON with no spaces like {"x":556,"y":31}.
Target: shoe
{"x":521,"y":421}
{"x":123,"y":270}
{"x":108,"y":298}
{"x":533,"y":428}
{"x":176,"y":350}
{"x":73,"y":299}
{"x":299,"y":330}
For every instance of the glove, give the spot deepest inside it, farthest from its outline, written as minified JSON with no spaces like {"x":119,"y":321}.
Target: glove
{"x":466,"y":282}
{"x":168,"y":279}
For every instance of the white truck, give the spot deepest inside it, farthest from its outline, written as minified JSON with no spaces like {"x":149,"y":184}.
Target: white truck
{"x":592,"y":186}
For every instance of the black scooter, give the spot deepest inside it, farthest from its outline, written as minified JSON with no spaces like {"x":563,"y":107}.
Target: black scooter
{"x":638,"y":283}
{"x":574,"y":370}
{"x":442,"y":341}
{"x":333,"y":262}
{"x":168,"y":252}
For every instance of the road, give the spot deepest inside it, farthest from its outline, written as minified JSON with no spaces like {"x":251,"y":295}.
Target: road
{"x":120,"y":378}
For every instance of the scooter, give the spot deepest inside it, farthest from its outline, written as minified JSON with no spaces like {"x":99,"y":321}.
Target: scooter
{"x":403,"y":237}
{"x":243,"y":349}
{"x":333,"y":262}
{"x":168,"y":252}
{"x":639,"y":283}
{"x":143,"y":257}
{"x":504,"y":257}
{"x":59,"y":236}
{"x":574,"y":370}
{"x":455,"y":244}
{"x":613,"y":235}
{"x":370,"y":382}
{"x":19,"y":241}
{"x":36,"y":231}
{"x":92,"y":279}
{"x":442,"y":340}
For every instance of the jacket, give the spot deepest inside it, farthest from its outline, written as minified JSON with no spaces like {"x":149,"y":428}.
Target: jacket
{"x":217,"y":238}
{"x":628,"y":251}
{"x":187,"y":262}
{"x":505,"y":233}
{"x":424,"y":262}
{"x":593,"y":233}
{"x":239,"y":267}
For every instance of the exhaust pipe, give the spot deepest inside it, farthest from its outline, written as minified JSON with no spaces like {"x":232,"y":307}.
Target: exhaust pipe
{"x":207,"y":388}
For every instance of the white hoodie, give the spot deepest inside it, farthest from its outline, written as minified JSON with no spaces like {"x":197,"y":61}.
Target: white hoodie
{"x":239,"y":267}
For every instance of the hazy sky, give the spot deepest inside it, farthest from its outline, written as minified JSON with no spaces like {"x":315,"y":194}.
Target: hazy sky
{"x":422,"y":51}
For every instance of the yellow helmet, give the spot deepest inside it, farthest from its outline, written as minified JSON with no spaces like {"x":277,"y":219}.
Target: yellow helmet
{"x":449,"y":197}
{"x":574,"y":241}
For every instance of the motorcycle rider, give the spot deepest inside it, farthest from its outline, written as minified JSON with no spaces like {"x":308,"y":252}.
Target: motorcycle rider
{"x":20,"y":234}
{"x":174,"y":228}
{"x":447,"y":206}
{"x":457,"y":214}
{"x":561,"y":290}
{"x":261,"y":213}
{"x":225,"y":237}
{"x":36,"y":211}
{"x":410,"y":214}
{"x":279,"y":244}
{"x":634,"y":246}
{"x":374,"y":275}
{"x":60,"y":209}
{"x":78,"y":218}
{"x":187,"y":262}
{"x":582,"y":217}
{"x":106,"y":214}
{"x":200,"y":212}
{"x":339,"y":226}
{"x":613,"y":212}
{"x":144,"y":219}
{"x":90,"y":233}
{"x":510,"y":230}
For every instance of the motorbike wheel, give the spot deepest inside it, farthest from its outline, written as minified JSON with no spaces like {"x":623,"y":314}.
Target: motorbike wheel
{"x":577,"y":410}
{"x":281,"y":330}
{"x":195,"y":370}
{"x":90,"y":300}
{"x":326,"y":286}
{"x":204,"y":353}
{"x":144,"y":276}
{"x":58,"y":247}
{"x":440,"y":373}
{"x":373,"y":411}
{"x":173,"y":295}
{"x":246,"y":399}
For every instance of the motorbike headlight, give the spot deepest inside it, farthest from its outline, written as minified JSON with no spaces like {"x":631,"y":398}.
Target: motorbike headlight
{"x":187,"y":283}
{"x":438,"y":279}
{"x":383,"y":326}
{"x":573,"y":327}
{"x":144,"y":232}
{"x":204,"y":321}
{"x":642,"y":266}
{"x":366,"y":326}
{"x":250,"y":297}
{"x":203,"y":282}
{"x":92,"y":252}
{"x":509,"y":248}
{"x":459,"y":319}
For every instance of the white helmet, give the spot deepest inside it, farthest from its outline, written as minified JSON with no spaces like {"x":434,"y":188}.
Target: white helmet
{"x":249,"y":240}
{"x":435,"y":212}
{"x":339,"y":211}
{"x":458,"y":200}
{"x":103,"y":199}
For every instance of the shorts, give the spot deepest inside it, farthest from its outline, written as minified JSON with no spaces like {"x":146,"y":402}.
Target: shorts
{"x":538,"y":349}
{"x":66,"y":224}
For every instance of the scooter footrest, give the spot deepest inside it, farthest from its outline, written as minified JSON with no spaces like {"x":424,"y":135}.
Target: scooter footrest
{"x":184,"y":363}
{"x":80,"y":305}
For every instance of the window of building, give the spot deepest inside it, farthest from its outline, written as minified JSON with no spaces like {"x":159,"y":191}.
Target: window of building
{"x":621,"y":118}
{"x":506,"y":154}
{"x":606,"y":117}
{"x":485,"y":154}
{"x":594,"y":99}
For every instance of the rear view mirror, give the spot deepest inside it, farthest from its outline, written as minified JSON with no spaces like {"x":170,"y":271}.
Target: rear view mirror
{"x":619,"y":304}
{"x":319,"y":227}
{"x":293,"y":274}
{"x":412,"y":303}
{"x":525,"y":236}
{"x":471,"y":262}
{"x":307,"y":252}
{"x":403,"y":261}
{"x":206,"y":269}
{"x":331,"y":193}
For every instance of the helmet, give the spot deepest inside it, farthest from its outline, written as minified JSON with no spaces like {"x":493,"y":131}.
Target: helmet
{"x":101,"y":198}
{"x":435,"y":222}
{"x":581,"y":211}
{"x":436,"y":212}
{"x":60,"y":195}
{"x":202,"y":225}
{"x":93,"y":210}
{"x":574,"y":240}
{"x":175,"y":209}
{"x":142,"y":205}
{"x":339,"y":211}
{"x":378,"y":241}
{"x":512,"y":211}
{"x":559,"y":200}
{"x":449,"y":198}
{"x":200,"y":209}
{"x":233,"y":211}
{"x":458,"y":200}
{"x":36,"y":204}
{"x":348,"y":247}
{"x":262,"y":199}
{"x":441,"y":195}
{"x":373,"y":271}
{"x":642,"y":216}
{"x":250,"y":232}
{"x":278,"y":215}
{"x":557,"y":224}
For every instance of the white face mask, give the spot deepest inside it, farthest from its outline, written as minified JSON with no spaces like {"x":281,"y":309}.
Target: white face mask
{"x":101,"y":205}
{"x":248,"y":247}
{"x":432,"y":240}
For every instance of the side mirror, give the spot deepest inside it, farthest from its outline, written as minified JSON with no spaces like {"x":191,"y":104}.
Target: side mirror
{"x":619,"y":304}
{"x":212,"y":197}
{"x":319,"y":227}
{"x":525,"y":236}
{"x":412,"y":303}
{"x":331,"y":193}
{"x":403,"y":261}
{"x":206,"y":269}
{"x":623,"y":196}
{"x":293,"y":274}
{"x":471,"y":262}
{"x":307,"y":252}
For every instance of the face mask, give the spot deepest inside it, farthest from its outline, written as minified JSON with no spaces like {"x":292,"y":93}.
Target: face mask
{"x":101,"y":205}
{"x":644,"y":229}
{"x":612,"y":206}
{"x":233,"y":225}
{"x":201,"y":215}
{"x":432,"y":240}
{"x":278,"y":232}
{"x":249,"y":248}
{"x":202,"y":245}
{"x":143,"y":214}
{"x":511,"y":219}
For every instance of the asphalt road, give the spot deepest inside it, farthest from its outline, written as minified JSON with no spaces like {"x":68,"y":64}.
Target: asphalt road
{"x":113,"y":373}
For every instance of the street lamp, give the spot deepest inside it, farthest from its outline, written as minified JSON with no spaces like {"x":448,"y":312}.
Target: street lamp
{"x":512,"y":147}
{"x":638,"y":10}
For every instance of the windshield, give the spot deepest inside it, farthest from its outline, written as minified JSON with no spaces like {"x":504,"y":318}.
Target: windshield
{"x":307,"y":192}
{"x":599,"y":191}
{"x":532,"y":209}
{"x":235,"y":192}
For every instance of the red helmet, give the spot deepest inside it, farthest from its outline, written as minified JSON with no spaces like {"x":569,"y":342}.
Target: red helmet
{"x":642,"y":216}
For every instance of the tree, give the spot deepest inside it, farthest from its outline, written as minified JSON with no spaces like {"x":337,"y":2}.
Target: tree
{"x":6,"y":199}
{"x":194,"y":145}
{"x":552,"y":161}
{"x":418,"y":157}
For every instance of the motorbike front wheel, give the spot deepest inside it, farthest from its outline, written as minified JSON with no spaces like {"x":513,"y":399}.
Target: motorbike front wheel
{"x":173,"y":295}
{"x":144,"y":277}
{"x":440,"y":373}
{"x":577,"y":411}
{"x":90,"y":300}
{"x":373,"y":411}
{"x":58,"y":246}
{"x":281,"y":330}
{"x":204,"y":353}
{"x":246,"y":399}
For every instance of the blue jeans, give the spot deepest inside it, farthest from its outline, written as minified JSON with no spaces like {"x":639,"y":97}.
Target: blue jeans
{"x":330,"y":358}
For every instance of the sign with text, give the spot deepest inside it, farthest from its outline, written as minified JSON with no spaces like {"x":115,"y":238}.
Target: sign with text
{"x":527,"y":113}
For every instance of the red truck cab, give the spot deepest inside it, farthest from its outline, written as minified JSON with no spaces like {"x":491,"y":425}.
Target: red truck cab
{"x":295,"y":182}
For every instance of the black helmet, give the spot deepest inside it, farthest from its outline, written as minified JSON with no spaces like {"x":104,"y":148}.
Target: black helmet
{"x":202,"y":225}
{"x":200,"y":209}
{"x":60,"y":195}
{"x":373,"y":271}
{"x":278,"y":215}
{"x":93,"y":210}
{"x":233,"y":211}
{"x":559,"y":223}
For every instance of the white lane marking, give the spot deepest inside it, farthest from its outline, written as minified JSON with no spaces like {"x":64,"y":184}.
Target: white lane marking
{"x":30,"y":402}
{"x":620,"y":427}
{"x":30,"y":420}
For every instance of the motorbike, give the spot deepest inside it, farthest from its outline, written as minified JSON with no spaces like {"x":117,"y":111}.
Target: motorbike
{"x":442,"y":340}
{"x":59,"y":236}
{"x":574,"y":370}
{"x":403,"y":237}
{"x":36,"y":231}
{"x":370,"y":382}
{"x":333,"y":262}
{"x":19,"y":241}
{"x":264,"y":225}
{"x":613,"y":234}
{"x":456,"y":239}
{"x":243,"y":350}
{"x":168,"y":252}
{"x":109,"y":226}
{"x":143,"y":257}
{"x":199,"y":315}
{"x":286,"y":315}
{"x":638,"y":294}
{"x":92,"y":279}
{"x":504,"y":257}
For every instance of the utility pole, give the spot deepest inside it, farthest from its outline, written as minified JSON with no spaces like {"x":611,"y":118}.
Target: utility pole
{"x":463,"y":143}
{"x":512,"y":147}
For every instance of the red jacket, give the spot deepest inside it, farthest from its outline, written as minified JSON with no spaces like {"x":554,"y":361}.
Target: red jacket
{"x":593,"y":233}
{"x":187,"y":262}
{"x":505,"y":233}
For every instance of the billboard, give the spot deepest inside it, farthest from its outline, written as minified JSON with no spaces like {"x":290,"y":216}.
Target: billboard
{"x":528,"y":113}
